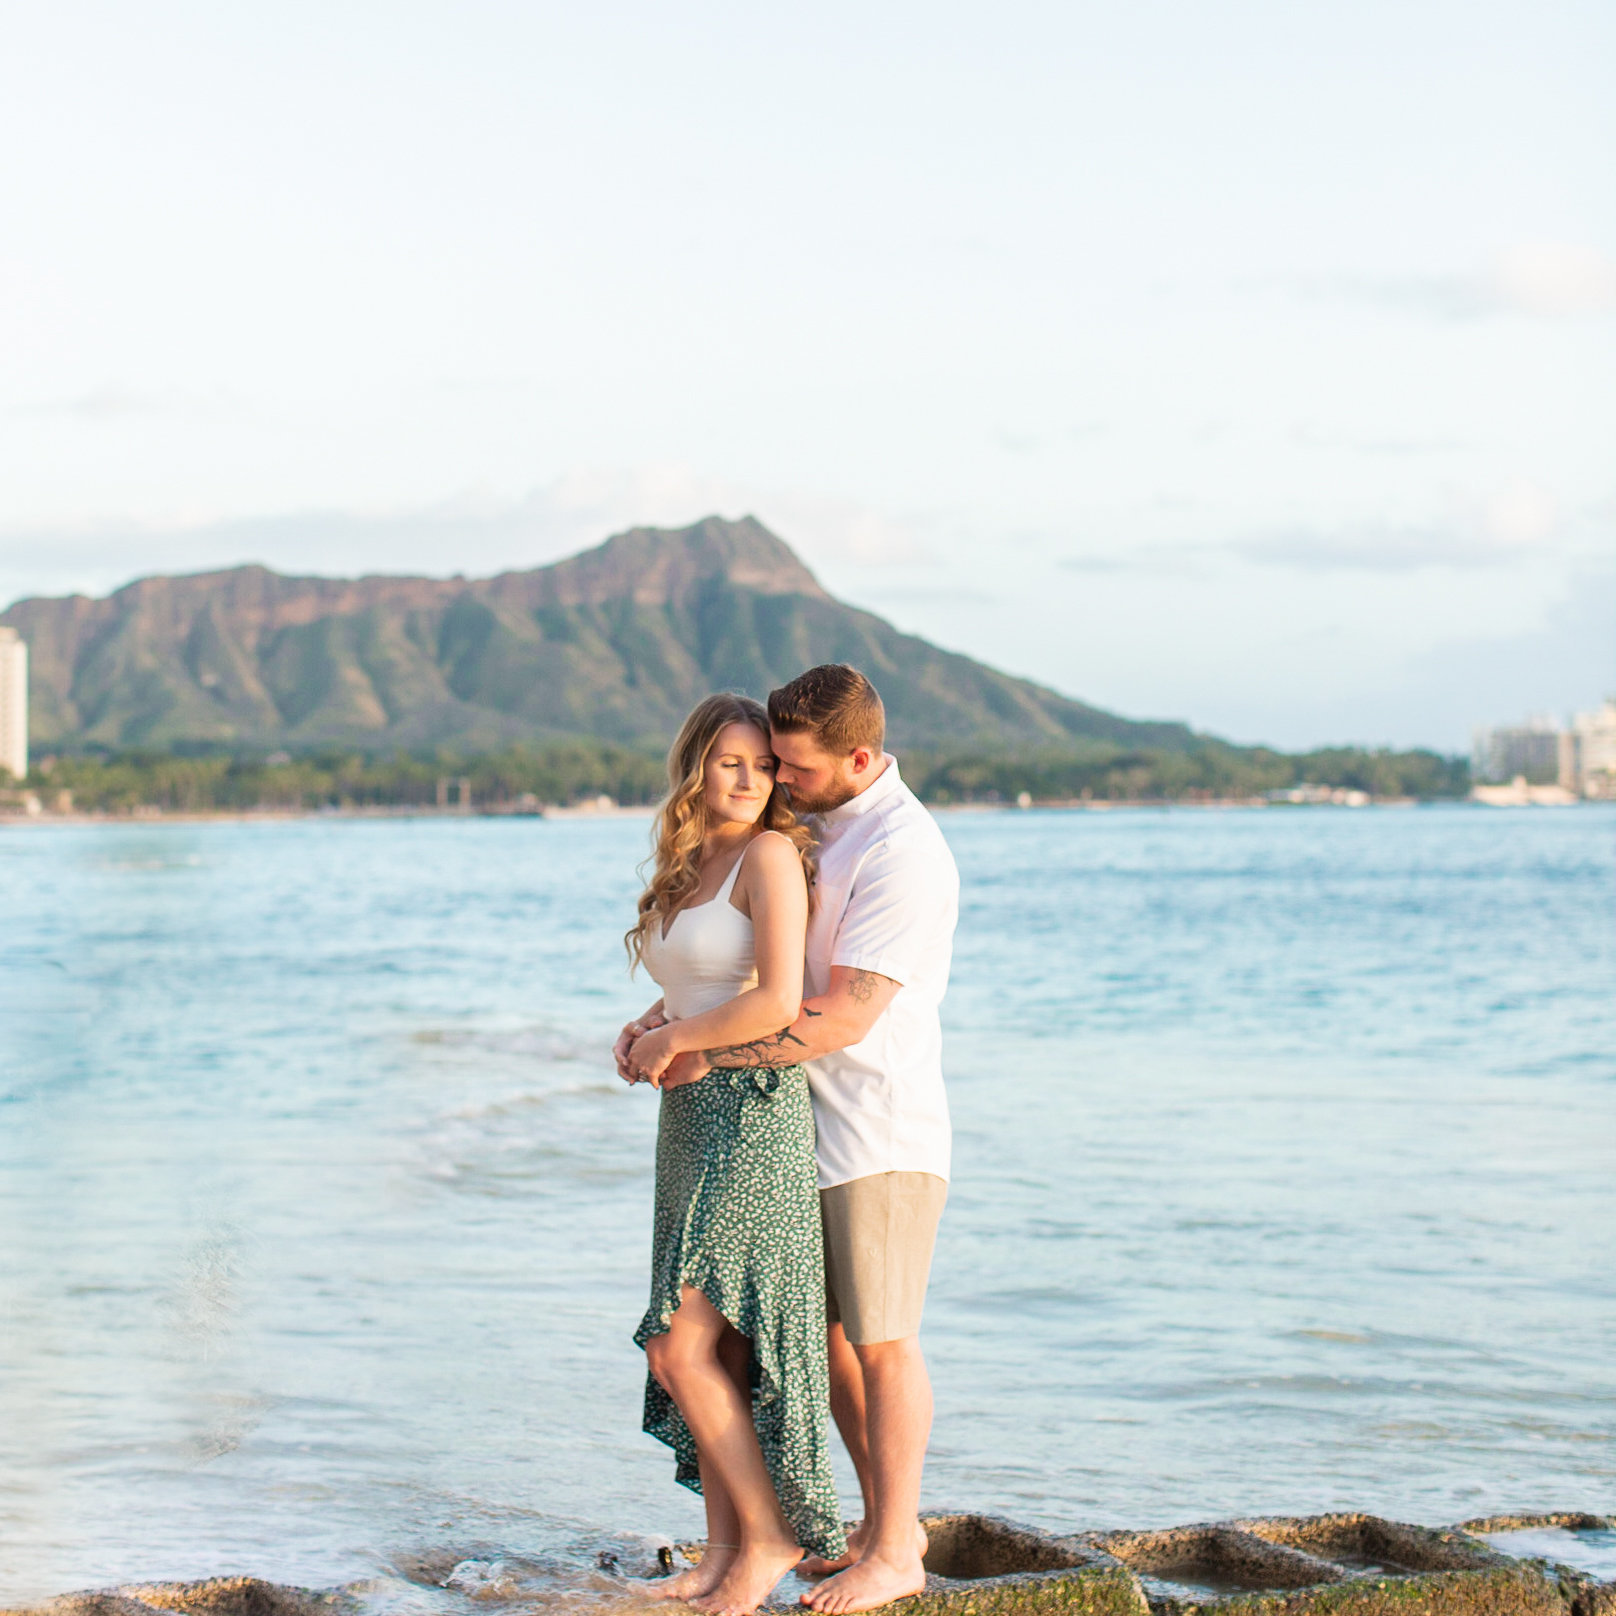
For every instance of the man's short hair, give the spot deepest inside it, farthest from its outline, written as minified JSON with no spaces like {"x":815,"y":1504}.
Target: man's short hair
{"x":834,"y":703}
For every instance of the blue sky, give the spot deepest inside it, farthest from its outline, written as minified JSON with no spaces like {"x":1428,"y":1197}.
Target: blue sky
{"x":1246,"y":363}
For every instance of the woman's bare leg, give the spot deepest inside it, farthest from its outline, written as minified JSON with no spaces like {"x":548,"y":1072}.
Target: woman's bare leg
{"x":723,"y":1525}
{"x":696,"y":1367}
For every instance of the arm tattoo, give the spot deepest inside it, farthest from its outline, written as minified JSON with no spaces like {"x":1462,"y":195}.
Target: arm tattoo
{"x":779,"y":1049}
{"x":861,"y":985}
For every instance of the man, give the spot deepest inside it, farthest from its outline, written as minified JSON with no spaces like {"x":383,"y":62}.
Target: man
{"x":879,"y":945}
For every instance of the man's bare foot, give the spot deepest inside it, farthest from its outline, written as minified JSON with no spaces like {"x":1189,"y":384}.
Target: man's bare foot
{"x":816,"y":1565}
{"x":750,"y":1580}
{"x":698,"y":1581}
{"x":874,"y":1581}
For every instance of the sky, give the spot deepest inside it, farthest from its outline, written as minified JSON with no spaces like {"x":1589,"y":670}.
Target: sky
{"x":1248,"y":363}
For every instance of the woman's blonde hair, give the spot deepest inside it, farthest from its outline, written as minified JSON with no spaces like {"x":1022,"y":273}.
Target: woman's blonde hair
{"x":681,"y":820}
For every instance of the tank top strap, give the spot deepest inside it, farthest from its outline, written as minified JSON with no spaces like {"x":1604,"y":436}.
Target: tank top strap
{"x":723,"y":893}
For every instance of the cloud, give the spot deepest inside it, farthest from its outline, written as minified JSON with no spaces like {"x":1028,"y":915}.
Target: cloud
{"x":1565,"y":664}
{"x":1101,"y":563}
{"x":1309,"y":435}
{"x":1380,"y":547}
{"x":1373,"y":547}
{"x":1517,"y":520}
{"x":1514,"y":521}
{"x":1018,"y":443}
{"x":1557,"y":278}
{"x":1549,"y":279}
{"x":117,"y":403}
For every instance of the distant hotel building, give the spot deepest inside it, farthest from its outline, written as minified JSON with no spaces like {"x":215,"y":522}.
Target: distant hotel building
{"x":13,"y":703}
{"x":1532,"y":749}
{"x":1590,"y":752}
{"x":1580,"y":758}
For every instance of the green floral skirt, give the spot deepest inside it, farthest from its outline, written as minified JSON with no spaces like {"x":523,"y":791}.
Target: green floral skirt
{"x":737,"y":1217}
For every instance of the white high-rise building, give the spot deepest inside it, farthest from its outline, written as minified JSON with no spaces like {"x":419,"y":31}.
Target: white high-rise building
{"x":13,"y":703}
{"x":1594,"y":750}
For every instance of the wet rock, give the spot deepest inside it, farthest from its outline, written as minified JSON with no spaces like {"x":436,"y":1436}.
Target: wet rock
{"x":1569,"y":1521}
{"x":980,"y":1565}
{"x":1586,"y":1594}
{"x":216,"y":1596}
{"x":1212,"y":1561}
{"x":1368,"y":1544}
{"x":970,"y":1547}
{"x":1345,"y":1564}
{"x":1498,"y":1591}
{"x":1325,"y":1565}
{"x":106,"y":1603}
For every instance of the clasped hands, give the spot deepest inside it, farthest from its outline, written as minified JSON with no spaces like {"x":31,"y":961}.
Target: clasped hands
{"x":644,"y":1053}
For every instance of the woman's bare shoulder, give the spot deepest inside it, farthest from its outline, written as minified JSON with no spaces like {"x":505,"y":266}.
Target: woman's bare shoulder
{"x":773,"y":856}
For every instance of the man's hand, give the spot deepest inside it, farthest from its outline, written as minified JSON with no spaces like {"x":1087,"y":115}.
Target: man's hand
{"x":690,"y":1067}
{"x":625,"y":1042}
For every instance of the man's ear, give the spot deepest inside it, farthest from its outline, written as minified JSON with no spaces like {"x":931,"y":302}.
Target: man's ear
{"x":863,"y":757}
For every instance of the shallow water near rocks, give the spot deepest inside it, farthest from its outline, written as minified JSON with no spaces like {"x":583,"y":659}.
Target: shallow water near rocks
{"x":1285,"y":1153}
{"x":1593,"y":1550}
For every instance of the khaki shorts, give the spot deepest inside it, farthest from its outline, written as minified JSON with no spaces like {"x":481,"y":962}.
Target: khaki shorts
{"x":879,"y":1234}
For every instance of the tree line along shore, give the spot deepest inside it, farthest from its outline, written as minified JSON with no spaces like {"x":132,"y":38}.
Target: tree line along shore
{"x":570,"y":772}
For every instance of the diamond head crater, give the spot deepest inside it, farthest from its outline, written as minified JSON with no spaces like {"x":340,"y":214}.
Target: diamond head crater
{"x":244,"y":688}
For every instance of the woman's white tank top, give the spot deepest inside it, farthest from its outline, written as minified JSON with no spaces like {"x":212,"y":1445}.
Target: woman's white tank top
{"x":708,"y":956}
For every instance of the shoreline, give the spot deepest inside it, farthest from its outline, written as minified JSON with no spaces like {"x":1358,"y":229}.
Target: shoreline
{"x":985,"y":1565}
{"x":590,"y":811}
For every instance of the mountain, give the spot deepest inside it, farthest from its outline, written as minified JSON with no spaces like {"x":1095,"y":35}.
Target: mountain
{"x":616,"y":643}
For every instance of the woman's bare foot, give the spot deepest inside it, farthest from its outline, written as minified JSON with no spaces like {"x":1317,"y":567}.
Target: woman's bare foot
{"x":872,"y":1581}
{"x":699,"y":1580}
{"x":816,"y":1565}
{"x":750,"y":1580}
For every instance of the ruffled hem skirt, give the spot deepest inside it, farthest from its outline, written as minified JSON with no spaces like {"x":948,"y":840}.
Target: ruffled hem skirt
{"x":737,"y":1217}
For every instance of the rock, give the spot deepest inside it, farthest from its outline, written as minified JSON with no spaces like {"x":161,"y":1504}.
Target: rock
{"x":217,"y":1596}
{"x":979,"y":1565}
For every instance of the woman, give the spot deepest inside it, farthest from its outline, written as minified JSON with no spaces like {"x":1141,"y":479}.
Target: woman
{"x":734,"y":1335}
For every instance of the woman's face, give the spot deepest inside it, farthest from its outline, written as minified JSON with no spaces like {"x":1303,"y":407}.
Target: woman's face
{"x":739,"y":774}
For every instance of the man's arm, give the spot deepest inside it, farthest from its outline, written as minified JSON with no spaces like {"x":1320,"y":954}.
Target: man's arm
{"x":843,"y":1014}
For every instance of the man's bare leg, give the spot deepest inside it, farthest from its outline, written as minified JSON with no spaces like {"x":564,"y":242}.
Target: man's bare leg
{"x":897,"y":1423}
{"x":847,"y":1404}
{"x":847,"y":1408}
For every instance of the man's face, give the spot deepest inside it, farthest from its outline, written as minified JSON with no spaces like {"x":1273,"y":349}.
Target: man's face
{"x":815,"y":780}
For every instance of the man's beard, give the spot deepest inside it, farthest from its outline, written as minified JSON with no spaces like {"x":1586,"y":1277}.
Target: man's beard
{"x":834,"y":797}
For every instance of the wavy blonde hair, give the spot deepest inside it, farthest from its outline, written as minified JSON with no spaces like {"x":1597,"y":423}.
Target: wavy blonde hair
{"x":681,"y":820}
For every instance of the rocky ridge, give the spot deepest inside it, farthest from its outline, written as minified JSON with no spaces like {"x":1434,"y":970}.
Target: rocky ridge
{"x":614,"y":644}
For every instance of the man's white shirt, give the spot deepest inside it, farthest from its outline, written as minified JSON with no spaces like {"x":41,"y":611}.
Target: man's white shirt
{"x":887,"y":901}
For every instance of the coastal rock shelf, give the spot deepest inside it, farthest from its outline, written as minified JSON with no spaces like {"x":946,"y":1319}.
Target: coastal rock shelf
{"x":1336,"y":1565}
{"x":979,"y":1565}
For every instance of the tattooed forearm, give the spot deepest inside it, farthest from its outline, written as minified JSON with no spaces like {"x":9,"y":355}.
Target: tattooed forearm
{"x":861,"y":985}
{"x":778,"y":1049}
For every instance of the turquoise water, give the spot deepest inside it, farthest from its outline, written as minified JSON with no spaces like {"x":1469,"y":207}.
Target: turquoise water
{"x":1285,"y":1181}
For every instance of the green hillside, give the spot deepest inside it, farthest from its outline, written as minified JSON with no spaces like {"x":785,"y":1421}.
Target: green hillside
{"x":615,"y":645}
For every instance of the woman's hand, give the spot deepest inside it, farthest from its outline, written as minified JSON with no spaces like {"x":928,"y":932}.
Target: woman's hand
{"x":651,"y":1054}
{"x":625,"y":1041}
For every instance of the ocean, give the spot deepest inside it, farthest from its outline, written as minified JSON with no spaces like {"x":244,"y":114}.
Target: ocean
{"x":1285,"y":1181}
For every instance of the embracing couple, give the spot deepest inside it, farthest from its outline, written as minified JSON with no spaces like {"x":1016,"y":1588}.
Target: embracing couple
{"x":803,"y":1140}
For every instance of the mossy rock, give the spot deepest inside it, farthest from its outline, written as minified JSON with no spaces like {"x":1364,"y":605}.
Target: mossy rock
{"x":1093,"y":1590}
{"x":216,"y":1596}
{"x":1497,"y":1591}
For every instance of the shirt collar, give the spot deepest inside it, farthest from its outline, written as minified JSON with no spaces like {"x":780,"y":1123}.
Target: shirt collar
{"x":871,"y":797}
